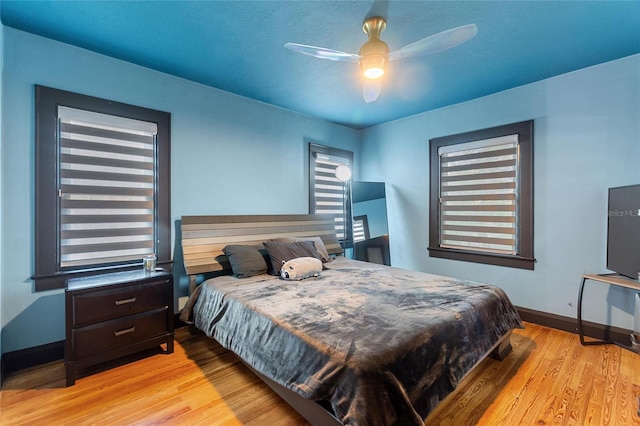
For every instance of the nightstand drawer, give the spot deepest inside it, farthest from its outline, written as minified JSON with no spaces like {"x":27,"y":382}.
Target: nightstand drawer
{"x":97,"y":338}
{"x":98,"y":306}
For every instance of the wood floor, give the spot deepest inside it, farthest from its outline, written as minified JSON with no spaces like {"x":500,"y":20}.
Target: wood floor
{"x":548,"y":379}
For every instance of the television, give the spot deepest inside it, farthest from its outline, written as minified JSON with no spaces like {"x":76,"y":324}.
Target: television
{"x":623,"y":231}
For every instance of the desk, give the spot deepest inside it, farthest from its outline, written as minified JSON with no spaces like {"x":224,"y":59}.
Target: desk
{"x":611,"y":279}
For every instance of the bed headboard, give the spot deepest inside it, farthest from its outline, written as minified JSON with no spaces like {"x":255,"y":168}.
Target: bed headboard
{"x":204,"y":237}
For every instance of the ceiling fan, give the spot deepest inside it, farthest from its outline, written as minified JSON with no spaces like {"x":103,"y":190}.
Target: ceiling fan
{"x":374,"y":54}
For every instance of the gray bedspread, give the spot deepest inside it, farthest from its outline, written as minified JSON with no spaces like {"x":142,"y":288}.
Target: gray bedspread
{"x":382,"y":345}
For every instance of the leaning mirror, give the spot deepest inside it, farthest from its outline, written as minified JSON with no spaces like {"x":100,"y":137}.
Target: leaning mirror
{"x":369,"y":222}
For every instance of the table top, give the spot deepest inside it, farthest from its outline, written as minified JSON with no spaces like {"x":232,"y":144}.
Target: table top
{"x":113,"y":278}
{"x":614,"y":279}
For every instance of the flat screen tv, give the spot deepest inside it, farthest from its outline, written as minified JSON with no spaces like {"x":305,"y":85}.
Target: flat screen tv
{"x":623,"y":231}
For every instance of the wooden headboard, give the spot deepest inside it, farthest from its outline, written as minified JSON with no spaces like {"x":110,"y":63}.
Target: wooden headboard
{"x":204,"y":237}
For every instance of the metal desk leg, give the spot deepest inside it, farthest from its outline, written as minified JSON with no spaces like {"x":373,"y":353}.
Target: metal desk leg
{"x":580,"y":311}
{"x":580,"y":331}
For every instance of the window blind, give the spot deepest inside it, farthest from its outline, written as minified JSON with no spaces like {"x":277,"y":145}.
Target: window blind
{"x":330,"y":194}
{"x":107,"y":176}
{"x":478,"y":195}
{"x":358,"y":230}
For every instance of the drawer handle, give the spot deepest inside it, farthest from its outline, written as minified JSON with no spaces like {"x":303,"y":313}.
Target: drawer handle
{"x":125,"y":301}
{"x":125,"y":331}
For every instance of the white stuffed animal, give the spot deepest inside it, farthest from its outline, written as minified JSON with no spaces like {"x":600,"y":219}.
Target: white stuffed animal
{"x":300,"y":268}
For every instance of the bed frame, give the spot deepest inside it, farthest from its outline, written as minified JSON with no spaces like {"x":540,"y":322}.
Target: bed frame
{"x":204,"y":237}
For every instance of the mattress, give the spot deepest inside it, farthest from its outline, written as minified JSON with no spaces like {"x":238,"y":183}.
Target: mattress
{"x":380,"y":345}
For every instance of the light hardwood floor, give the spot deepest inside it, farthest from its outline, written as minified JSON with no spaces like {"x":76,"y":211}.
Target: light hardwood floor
{"x":548,"y":379}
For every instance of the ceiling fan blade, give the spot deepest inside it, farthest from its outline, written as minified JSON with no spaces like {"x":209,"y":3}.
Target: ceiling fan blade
{"x":436,"y":43}
{"x":371,"y":89}
{"x":322,"y":53}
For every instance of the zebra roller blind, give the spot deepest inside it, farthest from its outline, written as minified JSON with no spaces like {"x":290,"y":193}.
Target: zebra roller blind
{"x":329,"y":194}
{"x":107,"y":176}
{"x":358,"y":230}
{"x":478,"y":195}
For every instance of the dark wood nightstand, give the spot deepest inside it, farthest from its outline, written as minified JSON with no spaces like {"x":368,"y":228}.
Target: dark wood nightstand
{"x":112,"y":315}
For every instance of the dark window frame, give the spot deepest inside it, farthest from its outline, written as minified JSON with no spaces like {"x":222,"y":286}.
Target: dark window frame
{"x":524,"y":258}
{"x":314,"y":148}
{"x":48,"y":275}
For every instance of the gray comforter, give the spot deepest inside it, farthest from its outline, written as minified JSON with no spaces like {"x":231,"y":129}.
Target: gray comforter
{"x":382,"y":345}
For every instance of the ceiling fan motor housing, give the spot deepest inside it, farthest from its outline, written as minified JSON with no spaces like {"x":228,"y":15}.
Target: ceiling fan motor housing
{"x":374,"y":52}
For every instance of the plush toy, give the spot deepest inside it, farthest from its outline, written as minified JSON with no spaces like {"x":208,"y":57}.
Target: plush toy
{"x":300,"y":268}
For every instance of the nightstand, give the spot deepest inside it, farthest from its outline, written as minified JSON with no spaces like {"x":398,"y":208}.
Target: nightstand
{"x":112,"y":315}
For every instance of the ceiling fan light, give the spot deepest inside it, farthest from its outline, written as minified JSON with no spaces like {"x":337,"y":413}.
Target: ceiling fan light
{"x":373,"y":57}
{"x":373,"y":65}
{"x":373,"y":72}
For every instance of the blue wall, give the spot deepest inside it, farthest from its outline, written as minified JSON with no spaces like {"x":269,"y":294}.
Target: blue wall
{"x":229,"y":155}
{"x":587,"y":139}
{"x":232,"y":155}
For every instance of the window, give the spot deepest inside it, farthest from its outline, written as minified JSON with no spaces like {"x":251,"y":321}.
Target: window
{"x":327,"y":194}
{"x":360,"y":228}
{"x":102,"y":186}
{"x":481,"y":196}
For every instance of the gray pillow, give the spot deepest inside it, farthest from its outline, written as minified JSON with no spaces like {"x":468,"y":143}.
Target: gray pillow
{"x":322,"y":250}
{"x":280,"y":251}
{"x":320,"y":247}
{"x":246,"y":261}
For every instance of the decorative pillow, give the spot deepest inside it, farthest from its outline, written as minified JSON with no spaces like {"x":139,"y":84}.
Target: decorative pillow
{"x":301,"y":268}
{"x":320,"y":247}
{"x":246,"y":261}
{"x":322,"y":250}
{"x":279,"y":252}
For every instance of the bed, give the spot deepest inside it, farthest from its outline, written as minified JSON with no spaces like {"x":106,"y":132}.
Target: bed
{"x":360,"y":344}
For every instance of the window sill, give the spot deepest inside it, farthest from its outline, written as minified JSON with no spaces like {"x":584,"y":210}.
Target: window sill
{"x":486,"y":258}
{"x":59,"y":279}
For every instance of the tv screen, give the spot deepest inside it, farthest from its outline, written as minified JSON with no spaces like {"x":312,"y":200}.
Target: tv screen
{"x":623,"y":231}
